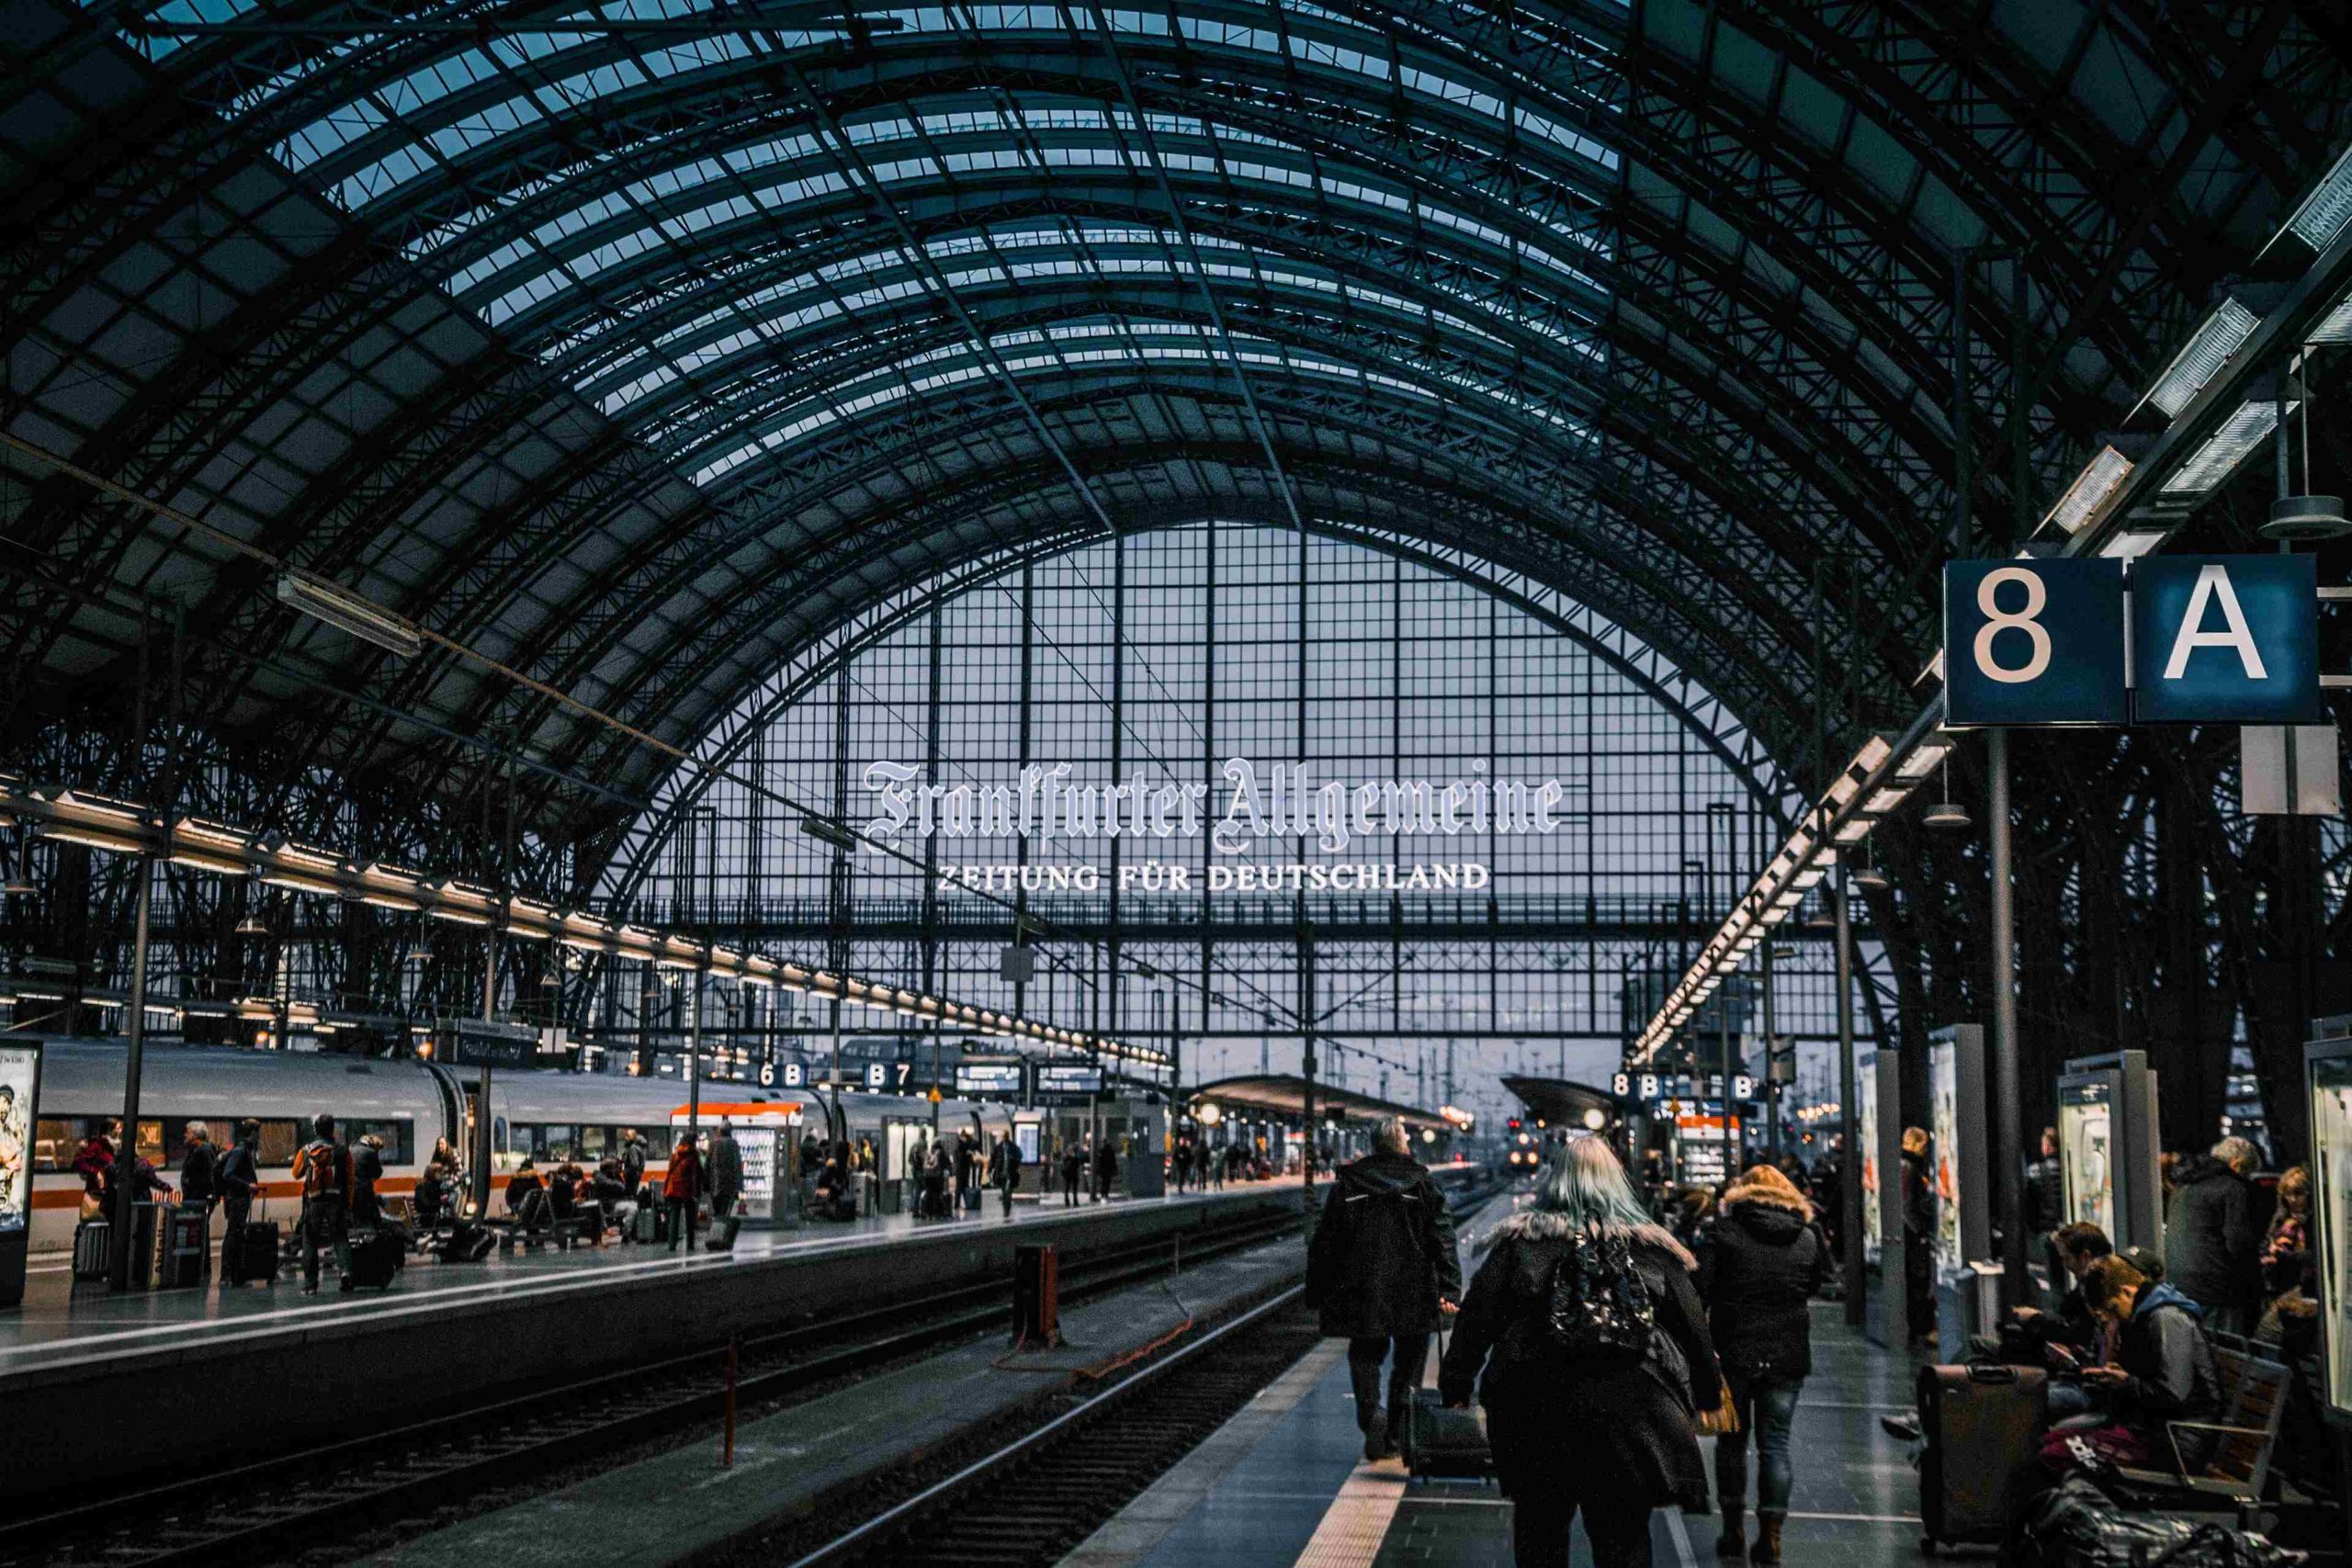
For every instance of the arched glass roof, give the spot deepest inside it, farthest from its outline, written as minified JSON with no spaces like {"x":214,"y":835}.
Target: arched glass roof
{"x":646,"y":344}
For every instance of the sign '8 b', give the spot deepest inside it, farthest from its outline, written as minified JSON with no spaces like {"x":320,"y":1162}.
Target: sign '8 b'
{"x":2218,"y":638}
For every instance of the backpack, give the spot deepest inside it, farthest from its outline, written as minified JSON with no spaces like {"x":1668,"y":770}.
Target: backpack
{"x":1599,"y":1304}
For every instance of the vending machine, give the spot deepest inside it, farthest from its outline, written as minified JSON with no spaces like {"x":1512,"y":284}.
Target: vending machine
{"x":2107,"y":1147}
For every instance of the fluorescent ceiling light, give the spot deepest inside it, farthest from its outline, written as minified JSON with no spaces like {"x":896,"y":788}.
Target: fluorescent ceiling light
{"x":297,"y":883}
{"x":209,"y":863}
{"x":1924,"y":757}
{"x":2131,"y":547}
{"x":1874,"y":752}
{"x":2090,"y":490}
{"x":387,"y":901}
{"x":91,"y":837}
{"x":2336,"y":327}
{"x":457,"y":917}
{"x":2240,"y":434}
{"x":2327,"y":209}
{"x":1855,"y":830}
{"x":2224,"y":333}
{"x":1883,"y":801}
{"x":347,"y":611}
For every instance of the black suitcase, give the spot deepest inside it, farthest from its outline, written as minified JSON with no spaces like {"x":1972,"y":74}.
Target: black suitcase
{"x":376,"y":1259}
{"x":251,"y":1253}
{"x":467,"y":1243}
{"x":93,"y":1249}
{"x":1439,"y":1444}
{"x":1980,"y":1423}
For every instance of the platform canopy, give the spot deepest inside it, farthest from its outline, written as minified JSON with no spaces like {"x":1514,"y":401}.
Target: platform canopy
{"x":1284,"y":1094}
{"x":1560,"y":1102}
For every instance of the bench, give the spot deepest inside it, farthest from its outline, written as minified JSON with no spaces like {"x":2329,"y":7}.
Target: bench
{"x":2253,"y":1400}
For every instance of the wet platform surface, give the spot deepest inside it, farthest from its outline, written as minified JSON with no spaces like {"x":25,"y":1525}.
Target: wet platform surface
{"x":67,"y":1322}
{"x":1284,"y":1483}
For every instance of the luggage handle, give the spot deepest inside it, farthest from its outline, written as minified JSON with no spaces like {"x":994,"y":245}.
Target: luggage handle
{"x":1992,"y":1374}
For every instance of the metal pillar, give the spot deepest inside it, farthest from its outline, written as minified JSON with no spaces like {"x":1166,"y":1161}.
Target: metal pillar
{"x":694,"y":1057}
{"x":1771,"y":1084}
{"x":2008,"y":1131}
{"x":126,"y":1190}
{"x":1849,"y":1163}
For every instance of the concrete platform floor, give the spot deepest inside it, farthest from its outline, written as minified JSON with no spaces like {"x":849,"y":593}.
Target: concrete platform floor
{"x":64,"y":1320}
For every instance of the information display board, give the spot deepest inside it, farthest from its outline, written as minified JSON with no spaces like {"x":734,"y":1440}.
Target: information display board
{"x":991,"y":1078}
{"x":2107,"y":1147}
{"x":1959,"y":1162}
{"x":19,"y":1091}
{"x":2328,"y":1065}
{"x":1065,"y":1083}
{"x":1866,"y":1085}
{"x":1698,"y":1149}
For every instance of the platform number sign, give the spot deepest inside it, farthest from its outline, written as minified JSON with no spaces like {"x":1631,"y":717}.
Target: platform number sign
{"x":2031,"y":642}
{"x":785,"y":1074}
{"x":2212,"y":639}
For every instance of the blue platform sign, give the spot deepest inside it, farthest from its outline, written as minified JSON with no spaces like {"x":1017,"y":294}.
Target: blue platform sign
{"x":2034,"y":642}
{"x":2228,"y":639}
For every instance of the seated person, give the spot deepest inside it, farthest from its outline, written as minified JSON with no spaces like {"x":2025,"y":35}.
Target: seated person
{"x":526,"y":1198}
{"x":2163,"y":1372}
{"x":563,"y":1190}
{"x":432,"y":1198}
{"x":2071,"y":1338}
{"x":611,"y":1195}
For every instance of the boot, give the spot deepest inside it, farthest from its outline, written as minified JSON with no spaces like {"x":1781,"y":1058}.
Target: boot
{"x":1767,"y":1550}
{"x":1734,"y":1541}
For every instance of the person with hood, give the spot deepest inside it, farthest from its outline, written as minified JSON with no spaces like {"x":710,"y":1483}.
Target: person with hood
{"x":1383,"y":1273}
{"x":2213,"y":1236}
{"x":1760,"y":1264}
{"x":1594,"y":1353}
{"x":725,"y":1186}
{"x":2164,"y":1372}
{"x":366,"y":1170}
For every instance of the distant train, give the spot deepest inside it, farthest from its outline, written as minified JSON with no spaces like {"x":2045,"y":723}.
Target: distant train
{"x":537,"y":1115}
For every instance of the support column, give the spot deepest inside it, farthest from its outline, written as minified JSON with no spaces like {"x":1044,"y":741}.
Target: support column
{"x":2009,"y":1134}
{"x":1849,"y":1166}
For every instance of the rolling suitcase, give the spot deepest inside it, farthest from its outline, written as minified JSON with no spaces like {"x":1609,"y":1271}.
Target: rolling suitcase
{"x":1980,"y":1423}
{"x":187,"y":1245}
{"x":375,"y":1258}
{"x":467,"y":1243}
{"x":252,"y":1251}
{"x":1439,"y":1444}
{"x":93,"y":1249}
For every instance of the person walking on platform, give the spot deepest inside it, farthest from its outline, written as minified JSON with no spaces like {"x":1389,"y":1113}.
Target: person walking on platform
{"x":237,"y":1177}
{"x":1382,"y":1273}
{"x":2213,"y":1227}
{"x":200,"y":1176}
{"x":366,"y":1170}
{"x":1004,"y":1168}
{"x":1595,"y":1354}
{"x":633,"y":1160}
{"x":1204,"y":1164}
{"x":1760,"y":1264}
{"x":1107,"y":1169}
{"x":682,"y":1191}
{"x":967,"y":1173}
{"x":323,"y":1168}
{"x":1919,"y":1225}
{"x":1073,"y":1168}
{"x":725,"y":1186}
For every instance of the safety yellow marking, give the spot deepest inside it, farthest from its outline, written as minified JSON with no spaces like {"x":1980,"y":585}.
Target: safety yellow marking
{"x":1358,"y":1520}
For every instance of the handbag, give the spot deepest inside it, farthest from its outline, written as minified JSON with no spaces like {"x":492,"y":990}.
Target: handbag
{"x":1724,"y":1419}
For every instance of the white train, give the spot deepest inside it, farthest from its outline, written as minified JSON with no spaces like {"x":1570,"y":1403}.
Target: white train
{"x":412,"y":1104}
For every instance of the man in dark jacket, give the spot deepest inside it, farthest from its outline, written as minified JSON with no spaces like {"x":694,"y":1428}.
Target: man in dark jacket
{"x":1381,"y":1271}
{"x":1106,"y":1170}
{"x":725,"y":1186}
{"x":2213,"y":1236}
{"x":237,"y":1176}
{"x":2165,"y":1373}
{"x":323,"y":1168}
{"x":1919,"y":1194}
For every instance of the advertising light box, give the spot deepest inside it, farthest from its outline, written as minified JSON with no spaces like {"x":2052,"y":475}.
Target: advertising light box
{"x":19,"y":1089}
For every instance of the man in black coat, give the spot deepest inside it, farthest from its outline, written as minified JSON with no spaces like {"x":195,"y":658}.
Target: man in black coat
{"x":1381,"y":1271}
{"x":2213,"y":1228}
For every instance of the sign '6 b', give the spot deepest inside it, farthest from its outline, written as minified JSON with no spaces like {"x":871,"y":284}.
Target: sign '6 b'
{"x":2034,"y":642}
{"x":2213,"y":639}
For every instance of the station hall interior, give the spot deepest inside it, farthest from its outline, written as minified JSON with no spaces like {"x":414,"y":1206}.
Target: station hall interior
{"x":1286,"y":784}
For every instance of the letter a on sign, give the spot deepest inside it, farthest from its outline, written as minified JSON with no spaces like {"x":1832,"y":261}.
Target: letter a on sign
{"x":2226,"y":639}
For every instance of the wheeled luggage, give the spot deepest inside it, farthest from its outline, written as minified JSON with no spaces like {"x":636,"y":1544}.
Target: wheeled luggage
{"x":645,"y":1225}
{"x":467,"y":1243}
{"x":93,"y":1249}
{"x":187,"y":1242}
{"x":1439,"y":1444}
{"x":376,"y":1259}
{"x":251,"y":1253}
{"x":1980,"y":1423}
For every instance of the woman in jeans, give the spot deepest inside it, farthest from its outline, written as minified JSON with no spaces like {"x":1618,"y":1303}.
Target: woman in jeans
{"x":1604,"y":1434}
{"x":1758,"y":1266}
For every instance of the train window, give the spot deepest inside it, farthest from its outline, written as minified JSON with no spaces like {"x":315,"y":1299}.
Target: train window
{"x":400,"y":1139}
{"x":150,"y":1141}
{"x":56,"y":1139}
{"x":593,"y":1142}
{"x":280,"y":1136}
{"x":658,"y":1142}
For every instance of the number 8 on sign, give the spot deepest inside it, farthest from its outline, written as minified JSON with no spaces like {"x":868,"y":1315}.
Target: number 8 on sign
{"x":1997,"y":621}
{"x":2034,"y":642}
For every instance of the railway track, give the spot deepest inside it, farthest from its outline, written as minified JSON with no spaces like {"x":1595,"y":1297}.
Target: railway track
{"x":424,"y":1468}
{"x":1027,"y":1504}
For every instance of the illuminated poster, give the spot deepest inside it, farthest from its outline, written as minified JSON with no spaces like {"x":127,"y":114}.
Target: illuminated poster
{"x":2084,"y":1120}
{"x":1943,"y":1155}
{"x":758,"y":1145}
{"x":19,"y":1080}
{"x":2332,"y":1187}
{"x":1867,"y":1128}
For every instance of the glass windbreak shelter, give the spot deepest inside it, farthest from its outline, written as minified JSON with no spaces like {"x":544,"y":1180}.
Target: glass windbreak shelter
{"x":2328,"y":1070}
{"x":2107,"y":1147}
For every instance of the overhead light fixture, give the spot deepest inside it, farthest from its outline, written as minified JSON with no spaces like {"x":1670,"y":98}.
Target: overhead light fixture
{"x":2222,"y":334}
{"x":90,"y":837}
{"x":198,"y":861}
{"x":1948,"y":815}
{"x":347,"y":611}
{"x":826,"y":830}
{"x":386,"y":901}
{"x":2241,"y":435}
{"x":297,"y":883}
{"x":1870,"y":876}
{"x":2307,"y":518}
{"x":2327,"y":209}
{"x":2100,"y":476}
{"x":251,"y":926}
{"x":2132,"y":546}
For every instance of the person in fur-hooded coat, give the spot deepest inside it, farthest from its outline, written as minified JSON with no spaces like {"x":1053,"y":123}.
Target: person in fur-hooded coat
{"x":1761,"y":1262}
{"x":1611,"y":1439}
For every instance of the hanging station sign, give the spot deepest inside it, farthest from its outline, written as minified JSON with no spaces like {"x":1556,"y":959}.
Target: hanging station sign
{"x":2209,"y":640}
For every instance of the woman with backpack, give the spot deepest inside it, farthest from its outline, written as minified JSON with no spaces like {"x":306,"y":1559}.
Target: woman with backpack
{"x":1595,"y":1354}
{"x":1759,"y":1265}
